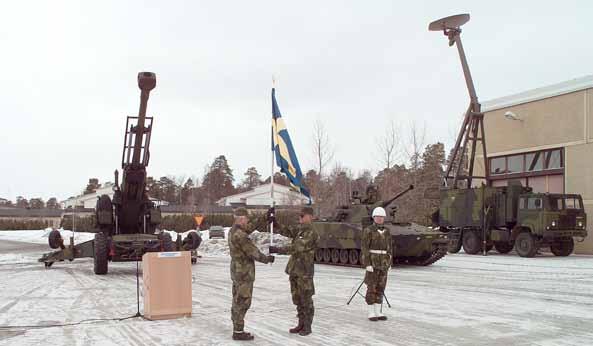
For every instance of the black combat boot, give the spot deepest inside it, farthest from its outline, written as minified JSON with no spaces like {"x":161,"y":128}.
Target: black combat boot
{"x":306,"y":330}
{"x":242,"y":336}
{"x":298,"y":328}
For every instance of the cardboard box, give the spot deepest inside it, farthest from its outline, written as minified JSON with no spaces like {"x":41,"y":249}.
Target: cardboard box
{"x":167,"y":284}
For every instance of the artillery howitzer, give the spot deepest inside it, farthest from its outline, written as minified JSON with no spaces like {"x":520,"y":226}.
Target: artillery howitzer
{"x":126,"y":225}
{"x":340,"y":237}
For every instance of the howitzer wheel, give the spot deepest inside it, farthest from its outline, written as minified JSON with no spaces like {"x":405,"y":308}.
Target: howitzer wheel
{"x":526,"y":245}
{"x":101,"y":254}
{"x":55,"y":239}
{"x":335,"y":255}
{"x":327,"y":255}
{"x":192,"y":241}
{"x":353,"y":256}
{"x":319,"y":255}
{"x":344,"y":256}
{"x":562,"y":248}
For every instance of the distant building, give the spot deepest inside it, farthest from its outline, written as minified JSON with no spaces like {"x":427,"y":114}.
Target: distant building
{"x":260,"y":196}
{"x":89,"y":200}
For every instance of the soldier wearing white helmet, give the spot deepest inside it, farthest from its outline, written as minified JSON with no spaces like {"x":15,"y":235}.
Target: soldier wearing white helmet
{"x":376,"y":251}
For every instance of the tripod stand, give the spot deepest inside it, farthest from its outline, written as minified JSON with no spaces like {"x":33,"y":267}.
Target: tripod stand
{"x":360,"y":294}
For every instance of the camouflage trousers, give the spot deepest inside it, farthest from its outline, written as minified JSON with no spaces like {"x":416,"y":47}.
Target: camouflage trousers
{"x":242,"y":292}
{"x":376,"y":282}
{"x":302,"y":290}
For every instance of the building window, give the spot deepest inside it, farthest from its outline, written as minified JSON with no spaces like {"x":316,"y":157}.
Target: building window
{"x":497,"y":165}
{"x":554,"y":159}
{"x":515,"y":164}
{"x":534,"y":161}
{"x":529,"y":162}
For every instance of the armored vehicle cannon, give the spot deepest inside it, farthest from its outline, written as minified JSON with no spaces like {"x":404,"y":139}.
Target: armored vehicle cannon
{"x":340,"y":236}
{"x":127,"y":223}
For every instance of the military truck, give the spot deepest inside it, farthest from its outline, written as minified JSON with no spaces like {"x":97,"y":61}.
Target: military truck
{"x":127,"y":224}
{"x":340,"y":236}
{"x":511,"y":216}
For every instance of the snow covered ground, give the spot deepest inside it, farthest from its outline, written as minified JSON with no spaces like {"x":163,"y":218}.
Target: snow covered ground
{"x":460,"y":300}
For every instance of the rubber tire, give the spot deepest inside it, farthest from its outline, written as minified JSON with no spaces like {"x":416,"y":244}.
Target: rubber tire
{"x":194,"y":240}
{"x":167,"y":242}
{"x":525,"y":245}
{"x":562,"y":248}
{"x":344,"y":258}
{"x":335,"y":256}
{"x":503,"y":247}
{"x":353,"y":256}
{"x":489,"y":247}
{"x":327,"y":255}
{"x":454,"y":248}
{"x":471,"y":243}
{"x":101,"y":255}
{"x":54,"y":239}
{"x":319,"y":255}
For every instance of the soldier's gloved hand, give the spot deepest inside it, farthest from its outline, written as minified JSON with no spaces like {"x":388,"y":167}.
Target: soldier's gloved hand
{"x":270,"y":259}
{"x":274,"y":249}
{"x":369,"y":269}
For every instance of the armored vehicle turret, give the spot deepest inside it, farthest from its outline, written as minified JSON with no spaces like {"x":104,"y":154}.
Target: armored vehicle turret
{"x":340,"y":236}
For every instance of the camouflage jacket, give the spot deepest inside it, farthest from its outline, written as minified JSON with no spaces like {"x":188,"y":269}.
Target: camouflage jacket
{"x":301,"y":250}
{"x":372,"y":239}
{"x":243,"y":254}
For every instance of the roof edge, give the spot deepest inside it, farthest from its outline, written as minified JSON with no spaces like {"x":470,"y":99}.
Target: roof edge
{"x":537,"y":94}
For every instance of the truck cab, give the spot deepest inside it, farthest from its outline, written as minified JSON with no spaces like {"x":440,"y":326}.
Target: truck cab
{"x":549,"y":220}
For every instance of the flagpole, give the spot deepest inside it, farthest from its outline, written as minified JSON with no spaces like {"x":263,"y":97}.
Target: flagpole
{"x":272,"y":202}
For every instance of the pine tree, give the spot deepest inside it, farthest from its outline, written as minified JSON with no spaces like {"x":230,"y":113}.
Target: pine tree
{"x":218,"y":181}
{"x":252,"y":178}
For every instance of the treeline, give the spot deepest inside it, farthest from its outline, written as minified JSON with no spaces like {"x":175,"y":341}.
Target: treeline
{"x":33,"y":203}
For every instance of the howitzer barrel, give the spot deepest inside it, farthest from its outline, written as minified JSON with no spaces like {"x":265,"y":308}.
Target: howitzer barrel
{"x":146,"y":82}
{"x":387,"y":203}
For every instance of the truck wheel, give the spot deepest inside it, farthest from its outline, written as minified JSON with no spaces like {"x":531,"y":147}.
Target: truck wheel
{"x":454,"y":246}
{"x":525,"y":245}
{"x":503,"y":247}
{"x":100,"y":246}
{"x":471,"y":243}
{"x":167,"y":242}
{"x":562,"y":248}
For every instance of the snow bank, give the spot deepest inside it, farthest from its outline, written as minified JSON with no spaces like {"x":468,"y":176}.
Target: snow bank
{"x":220,"y":247}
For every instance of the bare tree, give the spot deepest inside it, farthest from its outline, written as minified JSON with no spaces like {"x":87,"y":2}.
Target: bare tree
{"x":324,"y":152}
{"x":388,"y":145}
{"x":415,"y":144}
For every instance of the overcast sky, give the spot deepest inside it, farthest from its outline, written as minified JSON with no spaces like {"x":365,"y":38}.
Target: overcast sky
{"x":69,"y":78}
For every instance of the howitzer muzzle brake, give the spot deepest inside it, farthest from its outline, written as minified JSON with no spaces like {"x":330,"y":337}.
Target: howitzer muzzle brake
{"x":146,"y":81}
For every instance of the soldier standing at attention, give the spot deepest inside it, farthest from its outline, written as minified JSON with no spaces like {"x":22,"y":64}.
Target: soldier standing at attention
{"x":243,"y":254}
{"x":376,"y":258}
{"x":300,"y":267}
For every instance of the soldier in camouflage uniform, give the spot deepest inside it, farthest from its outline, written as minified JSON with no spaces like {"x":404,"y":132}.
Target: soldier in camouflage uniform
{"x":243,"y":253}
{"x":376,"y":250}
{"x":300,"y":267}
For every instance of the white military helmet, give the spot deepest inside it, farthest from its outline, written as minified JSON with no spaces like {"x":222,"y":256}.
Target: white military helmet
{"x":379,"y":212}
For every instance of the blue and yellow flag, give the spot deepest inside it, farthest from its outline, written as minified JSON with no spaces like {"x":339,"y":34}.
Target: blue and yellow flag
{"x":282,"y":146}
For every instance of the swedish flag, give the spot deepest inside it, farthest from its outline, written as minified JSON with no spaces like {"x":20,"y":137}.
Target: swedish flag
{"x":282,"y":146}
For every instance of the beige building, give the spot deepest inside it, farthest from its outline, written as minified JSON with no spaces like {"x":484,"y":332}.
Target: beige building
{"x":544,"y":137}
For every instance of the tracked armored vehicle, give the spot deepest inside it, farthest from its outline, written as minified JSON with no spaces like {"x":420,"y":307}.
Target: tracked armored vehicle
{"x":127,"y":223}
{"x":340,"y":237}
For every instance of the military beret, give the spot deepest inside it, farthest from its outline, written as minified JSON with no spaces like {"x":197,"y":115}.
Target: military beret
{"x":241,"y":212}
{"x":307,"y":210}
